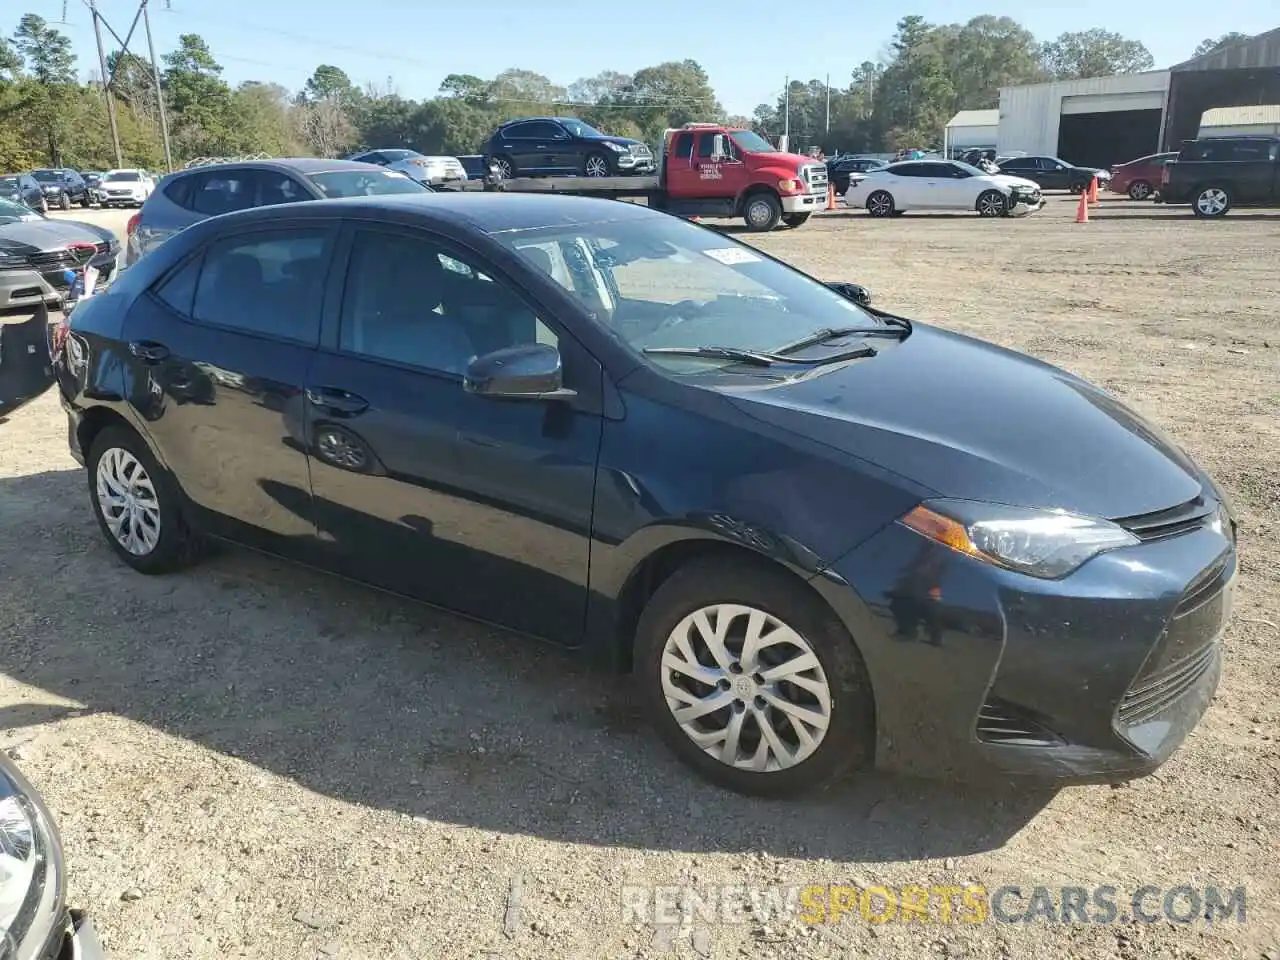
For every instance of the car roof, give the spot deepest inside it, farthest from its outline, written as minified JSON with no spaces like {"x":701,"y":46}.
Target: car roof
{"x":486,"y":212}
{"x":303,"y":165}
{"x":507,"y":123}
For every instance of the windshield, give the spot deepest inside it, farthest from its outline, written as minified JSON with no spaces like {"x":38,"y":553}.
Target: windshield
{"x":11,"y":212}
{"x":47,"y":176}
{"x":358,"y":183}
{"x":579,"y":129}
{"x":125,"y":176}
{"x":662,"y":282}
{"x":751,"y":142}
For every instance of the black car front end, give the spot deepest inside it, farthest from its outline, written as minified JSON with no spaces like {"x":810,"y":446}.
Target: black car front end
{"x":1093,"y":677}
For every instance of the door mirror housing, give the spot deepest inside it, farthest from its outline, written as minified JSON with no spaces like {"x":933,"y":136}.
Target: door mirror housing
{"x":852,"y":291}
{"x":718,"y":151}
{"x":528,"y":371}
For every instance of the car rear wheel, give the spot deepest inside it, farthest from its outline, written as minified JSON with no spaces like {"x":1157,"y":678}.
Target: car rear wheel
{"x":64,"y":201}
{"x":1212,"y":202}
{"x":137,"y":504}
{"x":880,"y":204}
{"x":751,"y":680}
{"x":762,"y":212}
{"x":992,"y":203}
{"x":1140,"y":190}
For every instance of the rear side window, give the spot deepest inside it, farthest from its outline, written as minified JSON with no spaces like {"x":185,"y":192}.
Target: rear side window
{"x":268,"y":283}
{"x":221,"y":191}
{"x":178,"y":290}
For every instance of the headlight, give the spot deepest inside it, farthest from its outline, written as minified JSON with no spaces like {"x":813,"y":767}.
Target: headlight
{"x":31,"y":880}
{"x":616,"y":147}
{"x":1048,"y":544}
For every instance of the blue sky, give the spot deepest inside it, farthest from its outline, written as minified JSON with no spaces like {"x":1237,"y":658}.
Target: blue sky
{"x":748,"y":53}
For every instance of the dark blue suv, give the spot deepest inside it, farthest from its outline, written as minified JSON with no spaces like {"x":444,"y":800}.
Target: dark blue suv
{"x":565,"y":147}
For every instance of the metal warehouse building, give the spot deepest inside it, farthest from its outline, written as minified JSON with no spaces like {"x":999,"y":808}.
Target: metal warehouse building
{"x":1108,"y":120}
{"x":972,"y":130}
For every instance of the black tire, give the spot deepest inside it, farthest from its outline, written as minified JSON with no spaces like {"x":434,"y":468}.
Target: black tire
{"x":64,"y":201}
{"x":992,"y":203}
{"x":177,"y":546}
{"x":850,"y":736}
{"x":1204,"y":205}
{"x":1079,"y":187}
{"x":87,"y":202}
{"x":44,"y":204}
{"x":796,"y":219}
{"x":1140,"y":190}
{"x":880,"y":204}
{"x":598,"y":164}
{"x":762,"y":211}
{"x":506,"y":165}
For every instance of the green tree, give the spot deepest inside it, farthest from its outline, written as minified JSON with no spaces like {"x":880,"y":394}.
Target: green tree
{"x":988,"y":53}
{"x":51,"y":66}
{"x":199,"y":99}
{"x":666,"y":95}
{"x":1213,"y":46}
{"x":914,"y":96}
{"x":265,"y":120}
{"x":1094,"y":53}
{"x":466,"y":87}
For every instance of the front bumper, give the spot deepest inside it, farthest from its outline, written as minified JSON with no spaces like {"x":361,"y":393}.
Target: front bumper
{"x":641,"y":165}
{"x":981,"y":672}
{"x":804,"y":202}
{"x":31,"y":286}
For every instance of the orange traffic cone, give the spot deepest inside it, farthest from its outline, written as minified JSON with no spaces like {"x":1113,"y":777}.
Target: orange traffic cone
{"x":1093,"y":190}
{"x":831,"y":197}
{"x":1082,"y":210}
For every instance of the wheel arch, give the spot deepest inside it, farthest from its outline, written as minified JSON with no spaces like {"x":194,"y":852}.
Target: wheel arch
{"x":671,"y":553}
{"x":751,"y":190}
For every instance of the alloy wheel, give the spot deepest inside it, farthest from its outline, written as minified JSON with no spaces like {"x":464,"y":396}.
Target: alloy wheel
{"x":990,"y":205}
{"x":127,"y":498}
{"x":880,"y":204}
{"x":597,"y":167}
{"x":504,"y":168}
{"x":340,"y":450}
{"x":1212,"y":202}
{"x":1140,"y":190}
{"x":746,"y":688}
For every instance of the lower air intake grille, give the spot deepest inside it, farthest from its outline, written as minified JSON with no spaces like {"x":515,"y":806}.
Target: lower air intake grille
{"x":1001,"y":722}
{"x":1157,"y":692}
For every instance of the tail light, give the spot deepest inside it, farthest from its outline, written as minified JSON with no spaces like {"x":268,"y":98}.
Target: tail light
{"x":132,"y":225}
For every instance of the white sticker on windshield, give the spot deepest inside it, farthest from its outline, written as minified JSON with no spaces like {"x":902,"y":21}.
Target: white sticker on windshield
{"x":732,"y":255}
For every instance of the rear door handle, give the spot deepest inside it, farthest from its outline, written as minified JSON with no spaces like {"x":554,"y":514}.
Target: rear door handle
{"x":341,"y":401}
{"x":148,"y":350}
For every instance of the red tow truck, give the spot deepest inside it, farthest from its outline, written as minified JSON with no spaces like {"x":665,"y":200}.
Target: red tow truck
{"x":706,"y":170}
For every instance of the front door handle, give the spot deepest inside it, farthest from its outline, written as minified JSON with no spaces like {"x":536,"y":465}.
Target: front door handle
{"x":148,"y":350}
{"x":337,"y":400}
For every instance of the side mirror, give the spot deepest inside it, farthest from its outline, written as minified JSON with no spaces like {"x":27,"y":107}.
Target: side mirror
{"x":529,"y":371}
{"x":852,"y":291}
{"x":718,"y":151}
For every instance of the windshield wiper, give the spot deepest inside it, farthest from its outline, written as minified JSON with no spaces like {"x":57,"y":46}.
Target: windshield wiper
{"x":758,"y":358}
{"x":835,"y":333}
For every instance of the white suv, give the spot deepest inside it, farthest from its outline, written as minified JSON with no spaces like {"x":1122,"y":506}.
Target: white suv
{"x":125,"y":187}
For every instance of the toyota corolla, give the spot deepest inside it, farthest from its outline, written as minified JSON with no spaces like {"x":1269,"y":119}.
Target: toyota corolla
{"x":819,"y":535}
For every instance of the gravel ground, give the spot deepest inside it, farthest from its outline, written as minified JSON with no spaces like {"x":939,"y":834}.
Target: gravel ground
{"x":252,"y":759}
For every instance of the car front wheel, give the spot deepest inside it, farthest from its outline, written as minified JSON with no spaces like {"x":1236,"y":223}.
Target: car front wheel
{"x":992,"y":203}
{"x":137,"y":505}
{"x":880,"y":204}
{"x":1140,"y":190}
{"x":751,"y":680}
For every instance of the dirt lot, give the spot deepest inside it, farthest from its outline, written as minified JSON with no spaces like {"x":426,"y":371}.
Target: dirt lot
{"x":253,"y":759}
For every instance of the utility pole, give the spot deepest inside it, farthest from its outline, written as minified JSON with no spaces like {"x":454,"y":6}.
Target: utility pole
{"x":786,"y":116}
{"x":155,"y":74}
{"x":828,"y":103}
{"x":106,"y":85}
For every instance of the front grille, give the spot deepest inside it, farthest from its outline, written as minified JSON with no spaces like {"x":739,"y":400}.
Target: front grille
{"x":815,"y":176}
{"x":1172,"y":522}
{"x":46,"y":259}
{"x":1004,"y":723}
{"x":640,"y":150}
{"x":1161,"y":689}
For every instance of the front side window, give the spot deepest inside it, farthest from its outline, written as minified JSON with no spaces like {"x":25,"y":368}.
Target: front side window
{"x":577,"y":128}
{"x":267,"y":283}
{"x":662,"y":282}
{"x":413,"y":301}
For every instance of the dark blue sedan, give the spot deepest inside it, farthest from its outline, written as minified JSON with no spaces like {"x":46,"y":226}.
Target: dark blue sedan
{"x":819,"y":536}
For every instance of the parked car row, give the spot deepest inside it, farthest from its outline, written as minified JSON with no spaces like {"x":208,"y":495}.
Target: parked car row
{"x":64,"y":188}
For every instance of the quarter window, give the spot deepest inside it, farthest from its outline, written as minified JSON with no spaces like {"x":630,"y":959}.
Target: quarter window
{"x":267,"y":283}
{"x":414,"y":301}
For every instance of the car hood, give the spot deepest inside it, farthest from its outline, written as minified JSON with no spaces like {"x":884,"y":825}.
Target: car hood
{"x":1010,"y":180}
{"x":627,"y":142}
{"x":31,"y":236}
{"x":971,"y":420}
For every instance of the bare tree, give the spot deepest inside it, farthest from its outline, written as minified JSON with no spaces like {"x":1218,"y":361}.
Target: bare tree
{"x":325,"y":127}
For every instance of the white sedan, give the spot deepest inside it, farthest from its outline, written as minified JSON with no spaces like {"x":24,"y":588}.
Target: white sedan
{"x":940,"y":185}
